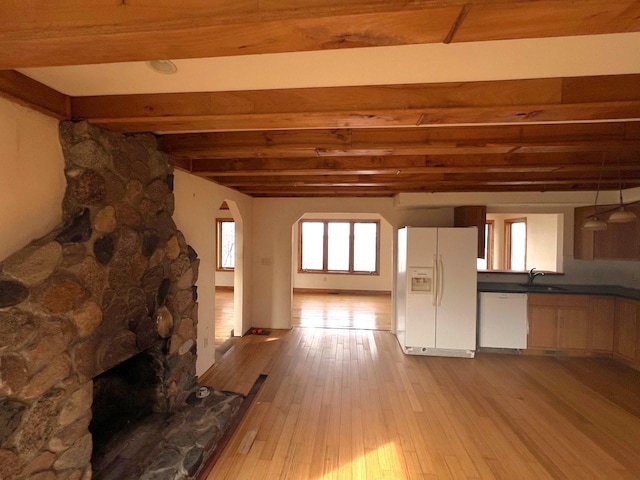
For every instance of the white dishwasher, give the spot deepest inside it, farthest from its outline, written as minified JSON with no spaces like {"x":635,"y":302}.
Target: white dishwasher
{"x":503,"y":320}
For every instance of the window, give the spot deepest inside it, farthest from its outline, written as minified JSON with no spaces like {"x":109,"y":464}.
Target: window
{"x":339,"y":246}
{"x":226,"y":240}
{"x":486,"y":263}
{"x":515,"y":244}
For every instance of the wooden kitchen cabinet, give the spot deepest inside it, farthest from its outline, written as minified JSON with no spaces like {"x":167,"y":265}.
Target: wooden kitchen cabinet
{"x":627,"y":330}
{"x":601,"y":324}
{"x":619,"y":241}
{"x":585,"y":325}
{"x":573,"y":328}
{"x":543,"y":327}
{"x":472,"y":216}
{"x":558,"y":322}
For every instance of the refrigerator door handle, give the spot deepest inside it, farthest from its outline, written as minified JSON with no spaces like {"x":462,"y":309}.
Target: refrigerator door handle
{"x":440,"y":280}
{"x":436,"y":276}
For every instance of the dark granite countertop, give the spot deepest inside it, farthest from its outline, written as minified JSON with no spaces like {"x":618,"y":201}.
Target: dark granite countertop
{"x":561,"y":289}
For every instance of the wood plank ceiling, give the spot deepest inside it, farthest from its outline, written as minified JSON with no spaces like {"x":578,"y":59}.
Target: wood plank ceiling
{"x":547,"y":134}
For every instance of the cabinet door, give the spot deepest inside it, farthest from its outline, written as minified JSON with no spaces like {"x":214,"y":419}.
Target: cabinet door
{"x":474,"y":216}
{"x":618,"y":241}
{"x":625,"y":335}
{"x":601,"y":324}
{"x":543,"y":327}
{"x":573,"y":328}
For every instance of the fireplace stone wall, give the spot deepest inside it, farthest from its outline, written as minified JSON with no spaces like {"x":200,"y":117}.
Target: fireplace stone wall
{"x":115,"y":279}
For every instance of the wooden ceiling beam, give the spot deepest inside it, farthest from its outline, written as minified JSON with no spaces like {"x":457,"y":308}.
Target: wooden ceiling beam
{"x":328,"y":99}
{"x":400,"y":182}
{"x":27,"y":92}
{"x":33,"y":34}
{"x":267,"y":191}
{"x":525,"y":114}
{"x":416,"y":164}
{"x":591,"y":137}
{"x":604,"y":98}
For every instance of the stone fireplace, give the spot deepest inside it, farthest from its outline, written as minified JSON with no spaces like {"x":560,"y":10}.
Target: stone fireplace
{"x":114,"y":280}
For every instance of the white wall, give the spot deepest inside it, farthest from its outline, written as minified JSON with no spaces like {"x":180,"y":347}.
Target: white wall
{"x":544,"y":245}
{"x":381,"y":282}
{"x":197,"y":202}
{"x":542,"y":242}
{"x":32,"y":182}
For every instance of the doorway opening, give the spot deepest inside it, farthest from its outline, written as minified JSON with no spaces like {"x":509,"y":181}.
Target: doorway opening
{"x":228,"y":236}
{"x":342,"y":268}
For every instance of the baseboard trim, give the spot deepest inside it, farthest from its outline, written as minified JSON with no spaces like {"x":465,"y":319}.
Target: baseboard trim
{"x":336,"y":291}
{"x":223,"y":288}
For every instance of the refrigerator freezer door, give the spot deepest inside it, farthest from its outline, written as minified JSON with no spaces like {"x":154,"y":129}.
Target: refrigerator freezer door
{"x":420,"y":311}
{"x":456,"y":313}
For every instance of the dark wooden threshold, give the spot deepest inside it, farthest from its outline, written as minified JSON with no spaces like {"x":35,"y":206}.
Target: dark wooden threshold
{"x":223,"y":288}
{"x":337,"y":291}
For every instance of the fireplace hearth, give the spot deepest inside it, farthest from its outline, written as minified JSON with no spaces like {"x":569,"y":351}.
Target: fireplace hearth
{"x":167,"y":446}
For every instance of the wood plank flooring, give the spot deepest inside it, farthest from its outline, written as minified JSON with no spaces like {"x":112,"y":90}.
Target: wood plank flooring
{"x":348,"y":404}
{"x":249,"y":357}
{"x":316,"y":310}
{"x":224,"y":316}
{"x":367,"y":312}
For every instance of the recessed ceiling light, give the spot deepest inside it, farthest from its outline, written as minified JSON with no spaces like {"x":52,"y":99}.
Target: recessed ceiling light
{"x":166,"y":67}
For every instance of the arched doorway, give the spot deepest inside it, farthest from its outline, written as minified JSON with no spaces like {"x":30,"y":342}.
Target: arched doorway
{"x":229,"y":273}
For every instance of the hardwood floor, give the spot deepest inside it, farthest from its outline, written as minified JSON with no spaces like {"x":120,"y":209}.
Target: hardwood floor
{"x":349,"y":404}
{"x":368,"y":312}
{"x":224,"y":316}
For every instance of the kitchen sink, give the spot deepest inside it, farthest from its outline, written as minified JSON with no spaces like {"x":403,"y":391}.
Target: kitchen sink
{"x":543,"y":288}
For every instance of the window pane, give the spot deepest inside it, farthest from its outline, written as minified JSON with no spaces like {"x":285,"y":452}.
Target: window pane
{"x":312,"y":245}
{"x":518,"y":245}
{"x":365,"y":247}
{"x":338,"y":247}
{"x":228,"y":245}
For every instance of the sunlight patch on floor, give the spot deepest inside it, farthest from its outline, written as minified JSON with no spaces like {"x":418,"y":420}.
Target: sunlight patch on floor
{"x":383,"y":462}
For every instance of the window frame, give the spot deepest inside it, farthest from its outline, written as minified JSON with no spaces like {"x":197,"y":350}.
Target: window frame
{"x":325,"y":244}
{"x":507,"y":240}
{"x":219,"y":222}
{"x":489,"y":244}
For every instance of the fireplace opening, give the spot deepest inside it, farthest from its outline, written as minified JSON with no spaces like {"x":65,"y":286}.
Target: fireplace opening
{"x":124,"y":396}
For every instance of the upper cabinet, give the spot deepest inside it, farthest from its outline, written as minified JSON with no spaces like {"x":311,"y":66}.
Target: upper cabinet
{"x":472,"y":216}
{"x":620,"y":241}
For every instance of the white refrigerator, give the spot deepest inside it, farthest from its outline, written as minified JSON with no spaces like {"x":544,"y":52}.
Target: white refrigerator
{"x":436,"y":291}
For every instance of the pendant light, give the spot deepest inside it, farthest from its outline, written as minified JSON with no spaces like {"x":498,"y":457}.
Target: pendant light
{"x":621,"y":214}
{"x":594,"y":223}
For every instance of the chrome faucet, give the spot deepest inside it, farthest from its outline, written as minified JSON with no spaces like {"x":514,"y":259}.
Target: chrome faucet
{"x":532,"y":276}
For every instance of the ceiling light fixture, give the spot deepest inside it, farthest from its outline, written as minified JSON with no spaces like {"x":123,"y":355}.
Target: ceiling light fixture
{"x":594,"y":223}
{"x":621,"y":215}
{"x":166,"y":67}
